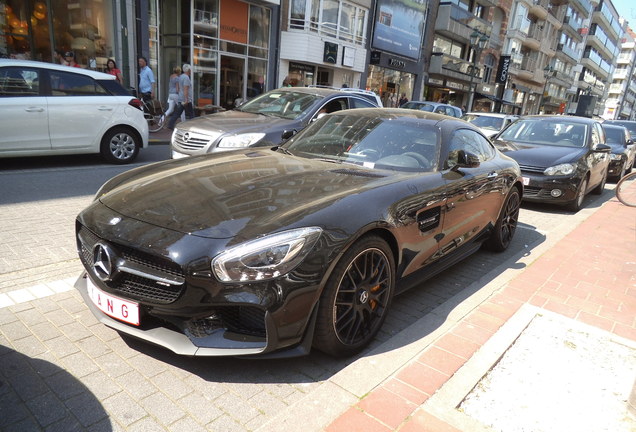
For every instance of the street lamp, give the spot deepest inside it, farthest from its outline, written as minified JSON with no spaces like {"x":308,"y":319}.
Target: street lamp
{"x":547,"y":73}
{"x":478,"y":42}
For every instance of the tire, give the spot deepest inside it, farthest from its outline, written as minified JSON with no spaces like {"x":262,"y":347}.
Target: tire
{"x":598,"y":190}
{"x":506,"y":224}
{"x":155,"y":122}
{"x":576,"y":204}
{"x":356,"y":298}
{"x":621,"y":173}
{"x":626,"y":190}
{"x":120,"y":145}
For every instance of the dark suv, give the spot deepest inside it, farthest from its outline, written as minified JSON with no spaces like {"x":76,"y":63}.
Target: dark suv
{"x":266,"y":120}
{"x":630,"y":125}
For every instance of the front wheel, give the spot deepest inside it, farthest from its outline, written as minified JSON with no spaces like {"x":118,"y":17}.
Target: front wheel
{"x":120,"y":145}
{"x":356,"y":298}
{"x":576,"y":204}
{"x":626,"y":190}
{"x":506,"y":224}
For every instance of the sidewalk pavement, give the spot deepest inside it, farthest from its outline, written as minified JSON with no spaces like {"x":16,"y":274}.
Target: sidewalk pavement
{"x":588,"y":278}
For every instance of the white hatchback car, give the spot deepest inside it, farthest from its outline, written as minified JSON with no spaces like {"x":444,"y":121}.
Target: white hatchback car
{"x":48,"y":109}
{"x":489,"y":123}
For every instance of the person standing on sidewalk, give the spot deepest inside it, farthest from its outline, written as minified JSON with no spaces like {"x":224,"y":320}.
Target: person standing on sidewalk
{"x":173,"y":92}
{"x":146,"y":80}
{"x":185,"y":97}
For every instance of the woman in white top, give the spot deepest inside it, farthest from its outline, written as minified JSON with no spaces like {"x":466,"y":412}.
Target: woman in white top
{"x":173,"y":92}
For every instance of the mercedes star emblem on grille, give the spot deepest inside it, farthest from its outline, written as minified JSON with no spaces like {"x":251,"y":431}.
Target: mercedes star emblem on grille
{"x":103,"y":262}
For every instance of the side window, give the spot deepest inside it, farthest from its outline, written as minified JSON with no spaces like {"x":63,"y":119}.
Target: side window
{"x":471,"y":142}
{"x":71,"y":84}
{"x":360,"y":103}
{"x":18,"y":81}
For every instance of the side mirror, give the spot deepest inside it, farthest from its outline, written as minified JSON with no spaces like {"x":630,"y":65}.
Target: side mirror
{"x":466,"y":160}
{"x":287,"y":134}
{"x":602,"y":148}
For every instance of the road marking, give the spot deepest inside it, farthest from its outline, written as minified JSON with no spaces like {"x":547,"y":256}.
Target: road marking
{"x":12,"y":298}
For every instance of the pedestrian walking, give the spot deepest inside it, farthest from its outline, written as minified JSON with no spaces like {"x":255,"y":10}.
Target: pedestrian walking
{"x":173,"y":92}
{"x":403,"y":100}
{"x":185,"y":97}
{"x":146,"y":80}
{"x":111,"y":69}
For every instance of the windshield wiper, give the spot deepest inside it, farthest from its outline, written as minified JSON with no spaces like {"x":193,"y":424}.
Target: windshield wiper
{"x":283,"y":149}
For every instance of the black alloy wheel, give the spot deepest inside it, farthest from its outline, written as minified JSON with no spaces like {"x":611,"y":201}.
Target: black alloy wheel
{"x":506,"y":224}
{"x":356,"y":299}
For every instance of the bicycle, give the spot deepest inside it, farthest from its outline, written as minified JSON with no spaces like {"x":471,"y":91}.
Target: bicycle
{"x":626,"y":190}
{"x":154,"y":114}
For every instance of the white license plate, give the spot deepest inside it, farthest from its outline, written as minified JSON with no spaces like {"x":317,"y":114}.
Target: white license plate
{"x":115,"y":307}
{"x":526,"y":181}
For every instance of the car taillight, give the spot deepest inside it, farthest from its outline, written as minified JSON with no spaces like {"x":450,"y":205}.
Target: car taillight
{"x":136,"y":103}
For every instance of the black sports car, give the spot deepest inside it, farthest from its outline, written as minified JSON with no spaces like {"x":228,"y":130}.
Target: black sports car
{"x":562,"y":158}
{"x":272,"y":251}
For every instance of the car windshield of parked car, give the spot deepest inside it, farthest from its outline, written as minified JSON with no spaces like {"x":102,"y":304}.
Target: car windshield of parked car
{"x":288,"y":105}
{"x":395,"y":143}
{"x":539,"y":131}
{"x":419,"y":106}
{"x":486,"y":122}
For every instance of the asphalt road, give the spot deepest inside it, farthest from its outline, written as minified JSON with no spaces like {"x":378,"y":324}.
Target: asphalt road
{"x":39,"y":199}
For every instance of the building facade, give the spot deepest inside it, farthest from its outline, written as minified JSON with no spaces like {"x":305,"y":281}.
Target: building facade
{"x":621,"y":93}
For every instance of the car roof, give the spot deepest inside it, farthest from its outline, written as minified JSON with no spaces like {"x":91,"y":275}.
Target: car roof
{"x":488,"y":114}
{"x":53,"y":66}
{"x":569,"y":118}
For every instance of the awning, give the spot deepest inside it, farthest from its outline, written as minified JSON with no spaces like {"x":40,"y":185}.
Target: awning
{"x":487,"y":96}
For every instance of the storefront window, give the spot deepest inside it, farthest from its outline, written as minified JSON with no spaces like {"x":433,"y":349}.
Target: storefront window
{"x":206,"y":18}
{"x":29,"y":29}
{"x":259,"y":27}
{"x":390,"y":84}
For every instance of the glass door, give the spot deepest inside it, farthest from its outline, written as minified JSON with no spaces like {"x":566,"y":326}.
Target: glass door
{"x":232,"y":81}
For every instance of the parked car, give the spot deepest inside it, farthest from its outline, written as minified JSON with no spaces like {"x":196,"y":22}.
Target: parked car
{"x":266,"y":120}
{"x":623,"y":150}
{"x":48,"y":109}
{"x":630,"y":125}
{"x":435,"y":107}
{"x":489,"y":123}
{"x":270,"y":251}
{"x":562,"y":158}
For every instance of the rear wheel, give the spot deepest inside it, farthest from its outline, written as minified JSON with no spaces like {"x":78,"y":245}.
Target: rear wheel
{"x":356,"y":299}
{"x":576,"y":204}
{"x":506,"y":224}
{"x":120,"y":146}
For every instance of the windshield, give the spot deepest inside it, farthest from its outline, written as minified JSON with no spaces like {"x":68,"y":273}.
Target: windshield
{"x":540,"y":131}
{"x":403,"y":143}
{"x":486,"y":122}
{"x":288,"y":105}
{"x":614,"y":135}
{"x":629,"y":125}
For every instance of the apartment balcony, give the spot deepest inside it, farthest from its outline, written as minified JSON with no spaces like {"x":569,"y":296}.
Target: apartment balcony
{"x":625,"y":58}
{"x":458,"y":24}
{"x":592,"y":65}
{"x":584,"y":7}
{"x":599,"y":17}
{"x":571,"y":53}
{"x":629,"y":97}
{"x":539,"y":8}
{"x":533,"y":39}
{"x":526,"y":69}
{"x":595,"y":42}
{"x":615,"y":88}
{"x":632,"y":86}
{"x":572,"y":28}
{"x":453,"y":67}
{"x":620,"y":74}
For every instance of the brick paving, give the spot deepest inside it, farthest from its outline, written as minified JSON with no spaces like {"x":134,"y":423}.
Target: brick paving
{"x":589,"y":276}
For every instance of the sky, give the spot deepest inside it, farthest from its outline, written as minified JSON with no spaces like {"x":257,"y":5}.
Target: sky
{"x":626,"y":9}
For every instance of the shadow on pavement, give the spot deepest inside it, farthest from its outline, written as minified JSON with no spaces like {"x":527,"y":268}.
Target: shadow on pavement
{"x":37,"y":395}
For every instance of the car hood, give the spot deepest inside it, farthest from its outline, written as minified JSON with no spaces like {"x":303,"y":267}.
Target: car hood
{"x":235,"y":122}
{"x":617,"y":148}
{"x":241,"y":193}
{"x":539,"y":156}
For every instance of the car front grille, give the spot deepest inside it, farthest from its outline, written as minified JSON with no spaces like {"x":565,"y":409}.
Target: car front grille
{"x":192,"y":141}
{"x":531,"y":169}
{"x":146,"y":282}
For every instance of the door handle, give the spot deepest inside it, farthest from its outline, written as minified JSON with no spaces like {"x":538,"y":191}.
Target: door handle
{"x":105,"y":108}
{"x":492,"y":175}
{"x":34,"y":109}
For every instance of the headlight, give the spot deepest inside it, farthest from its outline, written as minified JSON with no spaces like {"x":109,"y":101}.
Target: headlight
{"x":265,"y":258}
{"x":614,"y":156}
{"x":563,"y":169}
{"x":239,"y":141}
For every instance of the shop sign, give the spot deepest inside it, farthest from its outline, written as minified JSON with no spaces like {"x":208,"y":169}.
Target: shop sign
{"x":348,"y":56}
{"x":300,"y":67}
{"x":502,"y":69}
{"x":234,"y":23}
{"x":397,"y":27}
{"x":435,"y":81}
{"x":330,"y":53}
{"x":376,"y":56}
{"x":454,"y":85}
{"x":396,"y":63}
